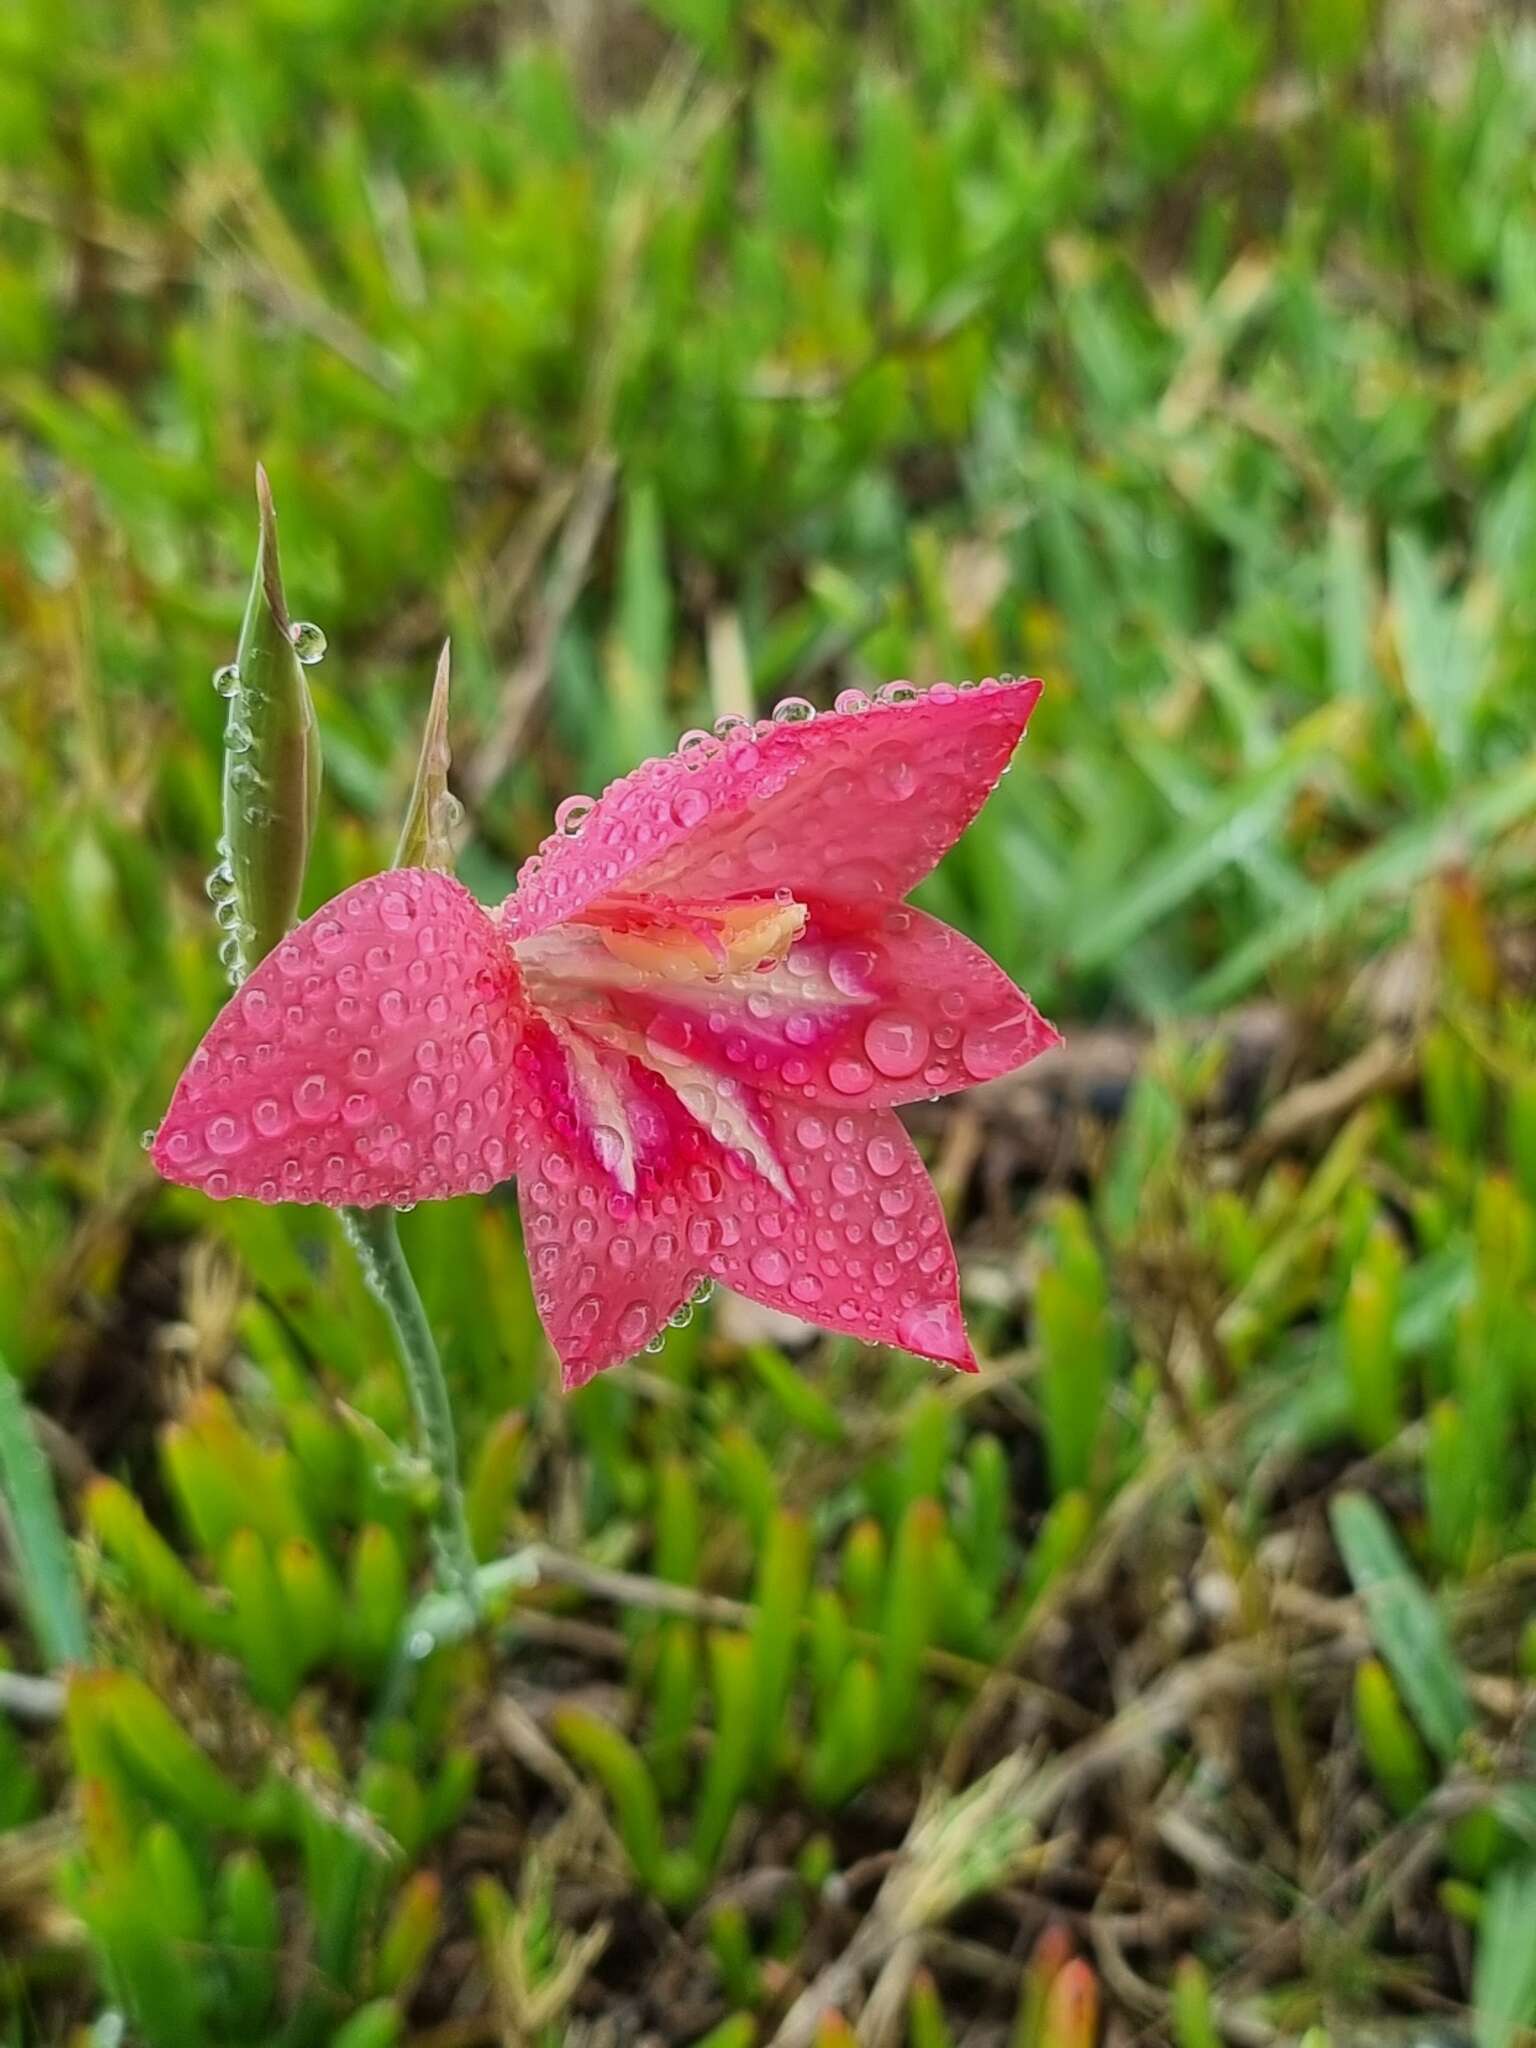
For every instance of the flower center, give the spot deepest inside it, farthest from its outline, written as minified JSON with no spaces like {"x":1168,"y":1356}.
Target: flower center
{"x":692,"y":941}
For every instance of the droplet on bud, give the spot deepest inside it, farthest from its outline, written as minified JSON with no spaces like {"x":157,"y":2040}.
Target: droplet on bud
{"x":308,"y":641}
{"x":793,"y":711}
{"x":226,"y":680}
{"x":572,"y":815}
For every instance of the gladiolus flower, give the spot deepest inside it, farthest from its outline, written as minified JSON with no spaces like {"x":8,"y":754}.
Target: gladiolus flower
{"x":686,"y":1033}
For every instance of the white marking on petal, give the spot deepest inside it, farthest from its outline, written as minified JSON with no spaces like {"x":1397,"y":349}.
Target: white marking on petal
{"x":597,"y":1092}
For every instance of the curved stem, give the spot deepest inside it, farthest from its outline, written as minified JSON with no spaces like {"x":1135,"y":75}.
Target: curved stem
{"x":375,"y":1238}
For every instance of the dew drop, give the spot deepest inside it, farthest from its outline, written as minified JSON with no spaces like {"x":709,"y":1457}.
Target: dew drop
{"x":852,"y":701}
{"x":572,"y":814}
{"x":811,"y":1132}
{"x":884,"y":1156}
{"x":730,"y":725}
{"x":226,"y":680}
{"x":308,"y":641}
{"x":898,"y":693}
{"x":931,"y":1327}
{"x":896,"y":1043}
{"x":793,"y":711}
{"x":849,"y":1076}
{"x":690,"y":807}
{"x":226,"y":1135}
{"x":769,"y":1266}
{"x":633,"y":1323}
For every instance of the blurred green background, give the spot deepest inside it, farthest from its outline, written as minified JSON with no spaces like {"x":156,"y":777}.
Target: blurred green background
{"x":675,"y":358}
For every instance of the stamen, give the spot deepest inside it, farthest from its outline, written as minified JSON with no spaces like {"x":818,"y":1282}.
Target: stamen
{"x":690,"y":941}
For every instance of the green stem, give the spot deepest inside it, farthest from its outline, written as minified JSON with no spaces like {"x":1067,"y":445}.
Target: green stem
{"x":376,"y":1240}
{"x":44,"y":1562}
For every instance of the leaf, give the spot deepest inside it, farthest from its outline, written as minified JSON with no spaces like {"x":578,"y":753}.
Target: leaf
{"x":1444,"y":657}
{"x":1453,"y":834}
{"x":1504,"y":1976}
{"x":45,"y":1564}
{"x":1233,"y":823}
{"x":1407,"y":1626}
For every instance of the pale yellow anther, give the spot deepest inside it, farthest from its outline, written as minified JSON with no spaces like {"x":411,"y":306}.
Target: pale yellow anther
{"x":694,"y":941}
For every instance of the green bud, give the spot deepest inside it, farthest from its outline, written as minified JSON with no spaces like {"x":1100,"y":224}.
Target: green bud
{"x":1369,"y":1343}
{"x":408,"y":1936}
{"x":153,"y":1570}
{"x":268,"y":1642}
{"x":864,"y":1573}
{"x":613,"y":1759}
{"x":739,"y":2031}
{"x":378,"y":1595}
{"x":783,"y":1579}
{"x":1194,"y":2025}
{"x":426,"y":837}
{"x":392,"y":1795}
{"x":1396,"y":1756}
{"x":730,"y":1939}
{"x":1071,"y":2018}
{"x":674,"y":1692}
{"x":248,"y":1929}
{"x":846,"y":1754}
{"x":371,"y":2026}
{"x":161,"y":1755}
{"x":736,"y":1679}
{"x":169,"y":1877}
{"x":926,"y":2024}
{"x":677,"y":1524}
{"x":493,"y":1480}
{"x":312,"y":1596}
{"x":908,"y":1622}
{"x":271,"y":761}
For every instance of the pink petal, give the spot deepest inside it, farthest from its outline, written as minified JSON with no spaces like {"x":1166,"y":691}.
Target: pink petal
{"x":609,"y":1265}
{"x":862,"y":1248}
{"x":366,"y":1060}
{"x":849,"y":805}
{"x":872,"y":1007}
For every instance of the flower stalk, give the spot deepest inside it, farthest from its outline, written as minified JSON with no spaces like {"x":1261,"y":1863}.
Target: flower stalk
{"x":375,"y":1237}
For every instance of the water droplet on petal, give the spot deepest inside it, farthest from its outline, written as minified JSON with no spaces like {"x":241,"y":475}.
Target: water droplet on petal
{"x":226,"y":1135}
{"x":896,"y":1043}
{"x":931,"y":1327}
{"x":811,"y":1132}
{"x":898,"y":693}
{"x":690,"y":807}
{"x":769,"y":1266}
{"x":884,"y":1156}
{"x":793,"y":711}
{"x":852,"y":701}
{"x":849,"y":1076}
{"x":572,"y":814}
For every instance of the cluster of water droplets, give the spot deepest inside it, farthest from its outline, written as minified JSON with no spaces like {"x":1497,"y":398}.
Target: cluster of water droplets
{"x":235,"y":932}
{"x":700,"y":745}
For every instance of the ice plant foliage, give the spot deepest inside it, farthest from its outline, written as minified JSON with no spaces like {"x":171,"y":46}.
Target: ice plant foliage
{"x":686,"y":1032}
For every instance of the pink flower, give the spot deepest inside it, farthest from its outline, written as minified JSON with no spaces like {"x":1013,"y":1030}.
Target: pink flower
{"x":685,"y":1033}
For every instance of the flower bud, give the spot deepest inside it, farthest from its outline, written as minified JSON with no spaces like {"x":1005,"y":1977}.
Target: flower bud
{"x":271,"y":764}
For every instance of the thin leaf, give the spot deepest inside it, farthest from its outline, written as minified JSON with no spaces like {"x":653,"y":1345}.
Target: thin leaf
{"x":1404,"y":1621}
